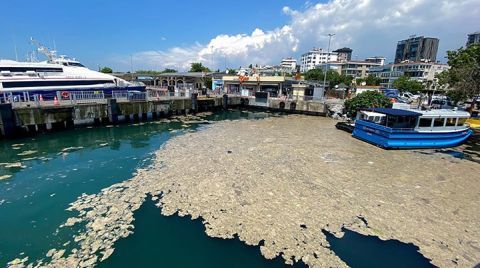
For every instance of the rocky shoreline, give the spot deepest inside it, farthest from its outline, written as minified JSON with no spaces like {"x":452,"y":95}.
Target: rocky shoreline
{"x":280,"y":182}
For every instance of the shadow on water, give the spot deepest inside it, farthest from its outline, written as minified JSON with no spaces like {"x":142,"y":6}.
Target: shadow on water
{"x":173,"y":241}
{"x":359,"y":250}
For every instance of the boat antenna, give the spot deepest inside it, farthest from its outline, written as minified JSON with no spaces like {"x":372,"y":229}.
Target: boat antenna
{"x":51,"y":54}
{"x":15,"y":48}
{"x":16,"y":52}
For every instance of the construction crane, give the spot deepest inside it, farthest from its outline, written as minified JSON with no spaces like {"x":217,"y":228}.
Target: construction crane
{"x":50,"y":54}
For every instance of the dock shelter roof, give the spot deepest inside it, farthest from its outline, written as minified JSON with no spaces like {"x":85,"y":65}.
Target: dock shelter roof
{"x":395,"y":112}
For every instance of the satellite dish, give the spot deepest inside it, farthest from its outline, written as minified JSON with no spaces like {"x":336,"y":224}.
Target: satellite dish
{"x":364,"y":83}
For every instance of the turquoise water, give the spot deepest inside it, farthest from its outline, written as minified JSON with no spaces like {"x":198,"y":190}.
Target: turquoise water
{"x":34,"y":199}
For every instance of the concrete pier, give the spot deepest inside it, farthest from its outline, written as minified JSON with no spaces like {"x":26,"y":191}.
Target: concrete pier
{"x":29,"y":118}
{"x":7,"y":124}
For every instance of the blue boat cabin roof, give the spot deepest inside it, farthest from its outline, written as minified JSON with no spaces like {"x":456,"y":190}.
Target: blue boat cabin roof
{"x":394,"y":112}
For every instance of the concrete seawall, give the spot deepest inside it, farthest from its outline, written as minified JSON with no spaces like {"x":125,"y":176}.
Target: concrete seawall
{"x":27,"y":119}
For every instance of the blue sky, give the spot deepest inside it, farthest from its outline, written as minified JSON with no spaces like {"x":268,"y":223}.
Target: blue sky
{"x":92,"y":30}
{"x":160,"y":34}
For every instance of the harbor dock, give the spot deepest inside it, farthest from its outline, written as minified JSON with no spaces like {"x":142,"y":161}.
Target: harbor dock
{"x":95,"y":108}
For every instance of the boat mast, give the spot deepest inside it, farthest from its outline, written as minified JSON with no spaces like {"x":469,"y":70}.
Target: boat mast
{"x":50,"y":54}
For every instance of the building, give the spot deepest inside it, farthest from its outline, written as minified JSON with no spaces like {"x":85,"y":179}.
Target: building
{"x":248,"y":85}
{"x":473,"y":38}
{"x":289,"y":65}
{"x":171,"y":81}
{"x":417,"y":49}
{"x":419,"y":71}
{"x":344,"y":54}
{"x":357,"y":69}
{"x":314,"y":57}
{"x":376,"y":59}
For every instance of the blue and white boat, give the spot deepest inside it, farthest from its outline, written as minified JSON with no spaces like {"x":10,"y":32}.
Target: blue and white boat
{"x":403,"y":128}
{"x":56,"y":74}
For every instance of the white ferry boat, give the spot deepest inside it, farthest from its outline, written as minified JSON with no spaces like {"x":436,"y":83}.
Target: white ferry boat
{"x":55,"y":74}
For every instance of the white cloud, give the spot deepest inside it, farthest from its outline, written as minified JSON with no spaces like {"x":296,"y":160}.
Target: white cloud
{"x":369,"y":27}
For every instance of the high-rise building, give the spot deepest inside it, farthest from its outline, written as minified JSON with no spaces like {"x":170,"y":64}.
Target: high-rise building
{"x":314,"y":57}
{"x":344,"y":54}
{"x":377,"y":59}
{"x":419,"y":71}
{"x":417,"y":48}
{"x":289,"y":64}
{"x":473,"y":38}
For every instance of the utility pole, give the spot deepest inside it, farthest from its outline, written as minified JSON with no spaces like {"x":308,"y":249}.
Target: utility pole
{"x":131,"y":65}
{"x":330,"y":35}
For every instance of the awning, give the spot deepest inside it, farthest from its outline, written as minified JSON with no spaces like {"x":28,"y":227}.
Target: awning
{"x":394,"y":112}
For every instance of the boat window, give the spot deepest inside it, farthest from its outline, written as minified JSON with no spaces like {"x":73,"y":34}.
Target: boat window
{"x":451,"y":122}
{"x":76,"y":64}
{"x":401,"y":122}
{"x":44,"y":83}
{"x":425,"y":122}
{"x":438,"y":122}
{"x":461,"y":121}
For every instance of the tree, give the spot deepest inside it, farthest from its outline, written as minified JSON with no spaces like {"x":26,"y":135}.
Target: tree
{"x":197,"y":67}
{"x":403,"y":83}
{"x":106,"y":70}
{"x":168,"y":70}
{"x":208,"y":82}
{"x":314,"y":75}
{"x":370,"y":80}
{"x":153,"y":72}
{"x":464,"y":74}
{"x":367,"y":99}
{"x":232,"y":71}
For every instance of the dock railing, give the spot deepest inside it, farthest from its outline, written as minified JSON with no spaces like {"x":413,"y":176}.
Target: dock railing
{"x":125,"y":95}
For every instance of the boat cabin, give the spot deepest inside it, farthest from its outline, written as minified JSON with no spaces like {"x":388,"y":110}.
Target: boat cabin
{"x":390,"y":118}
{"x":433,"y":120}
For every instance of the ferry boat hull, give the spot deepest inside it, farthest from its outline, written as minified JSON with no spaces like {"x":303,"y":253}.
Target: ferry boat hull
{"x":407,"y":139}
{"x":49,"y":94}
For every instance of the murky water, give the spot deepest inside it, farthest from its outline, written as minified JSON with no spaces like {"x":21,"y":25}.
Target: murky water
{"x":50,"y":171}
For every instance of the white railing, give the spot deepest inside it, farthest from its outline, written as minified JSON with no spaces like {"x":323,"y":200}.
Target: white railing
{"x":81,"y":96}
{"x":129,"y":95}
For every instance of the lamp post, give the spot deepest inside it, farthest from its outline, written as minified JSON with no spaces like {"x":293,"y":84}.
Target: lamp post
{"x":330,"y":35}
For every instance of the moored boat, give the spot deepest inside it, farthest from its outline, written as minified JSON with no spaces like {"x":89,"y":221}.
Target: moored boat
{"x":56,"y":74}
{"x":398,"y":128}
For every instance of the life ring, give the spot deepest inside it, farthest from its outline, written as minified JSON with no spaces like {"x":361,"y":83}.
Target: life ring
{"x":65,"y":94}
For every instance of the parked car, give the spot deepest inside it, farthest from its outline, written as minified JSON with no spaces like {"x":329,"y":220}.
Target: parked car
{"x":410,"y":96}
{"x":441,"y":104}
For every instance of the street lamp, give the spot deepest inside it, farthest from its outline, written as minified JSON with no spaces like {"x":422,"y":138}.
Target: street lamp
{"x":330,"y":35}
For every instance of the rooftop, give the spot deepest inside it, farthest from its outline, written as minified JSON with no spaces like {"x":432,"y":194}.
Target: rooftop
{"x":394,"y":112}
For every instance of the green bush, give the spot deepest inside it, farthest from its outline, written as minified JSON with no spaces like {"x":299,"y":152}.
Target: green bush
{"x":368,"y":99}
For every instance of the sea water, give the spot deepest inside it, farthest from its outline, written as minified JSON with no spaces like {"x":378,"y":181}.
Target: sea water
{"x":50,"y":171}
